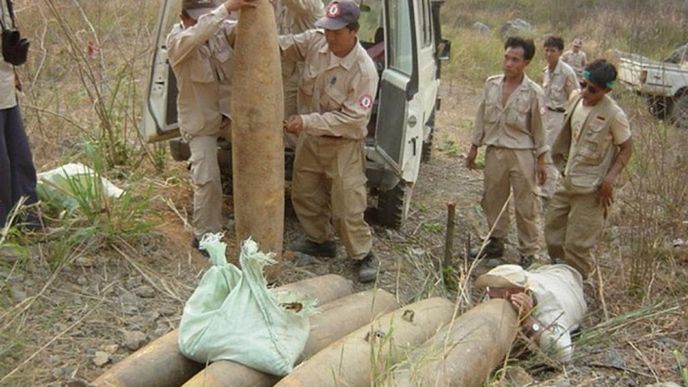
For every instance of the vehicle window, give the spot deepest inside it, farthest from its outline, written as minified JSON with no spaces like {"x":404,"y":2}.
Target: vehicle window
{"x":371,"y":30}
{"x":399,"y":36}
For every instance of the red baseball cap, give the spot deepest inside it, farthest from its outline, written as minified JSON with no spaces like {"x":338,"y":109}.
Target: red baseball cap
{"x":339,"y":14}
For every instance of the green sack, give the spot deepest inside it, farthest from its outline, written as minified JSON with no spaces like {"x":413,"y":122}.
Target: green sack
{"x":232,"y":315}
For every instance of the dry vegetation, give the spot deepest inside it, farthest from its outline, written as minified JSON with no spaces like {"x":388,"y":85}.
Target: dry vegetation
{"x":107,"y":270}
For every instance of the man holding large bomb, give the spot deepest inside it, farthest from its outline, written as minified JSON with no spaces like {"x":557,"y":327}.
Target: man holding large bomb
{"x":335,"y":99}
{"x":201,"y":58}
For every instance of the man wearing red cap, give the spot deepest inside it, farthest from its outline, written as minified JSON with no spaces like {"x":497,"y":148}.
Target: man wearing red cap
{"x":335,"y":99}
{"x":201,"y":57}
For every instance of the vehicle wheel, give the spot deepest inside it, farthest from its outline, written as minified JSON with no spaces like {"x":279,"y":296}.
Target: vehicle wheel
{"x":679,"y":110}
{"x":393,"y":205}
{"x":659,"y":106}
{"x":426,"y":153}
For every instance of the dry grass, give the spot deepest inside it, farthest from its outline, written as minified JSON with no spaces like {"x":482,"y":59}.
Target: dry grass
{"x":60,"y":300}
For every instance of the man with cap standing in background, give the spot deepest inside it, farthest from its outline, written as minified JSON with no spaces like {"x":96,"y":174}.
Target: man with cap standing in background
{"x":335,"y":99}
{"x":201,"y":57}
{"x":548,"y":299}
{"x":294,"y":17}
{"x":575,"y":57}
{"x":559,"y":81}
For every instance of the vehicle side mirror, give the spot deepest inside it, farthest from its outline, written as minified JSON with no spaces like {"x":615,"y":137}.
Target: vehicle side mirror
{"x":444,"y":50}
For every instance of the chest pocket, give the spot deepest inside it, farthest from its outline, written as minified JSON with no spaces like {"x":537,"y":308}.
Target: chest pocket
{"x":307,"y":84}
{"x":334,"y":98}
{"x":594,"y":142}
{"x":492,"y":106}
{"x":201,"y":69}
{"x":518,"y":111}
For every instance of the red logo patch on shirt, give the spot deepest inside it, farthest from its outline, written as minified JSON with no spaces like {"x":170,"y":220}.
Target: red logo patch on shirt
{"x":365,"y":101}
{"x":333,"y":10}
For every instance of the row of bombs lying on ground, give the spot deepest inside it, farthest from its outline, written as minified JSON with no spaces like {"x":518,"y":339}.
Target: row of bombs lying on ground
{"x":356,"y":339}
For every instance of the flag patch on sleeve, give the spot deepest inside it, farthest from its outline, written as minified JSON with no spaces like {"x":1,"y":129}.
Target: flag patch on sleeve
{"x":365,"y":101}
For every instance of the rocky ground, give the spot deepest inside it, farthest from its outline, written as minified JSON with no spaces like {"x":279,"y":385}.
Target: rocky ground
{"x":76,"y":317}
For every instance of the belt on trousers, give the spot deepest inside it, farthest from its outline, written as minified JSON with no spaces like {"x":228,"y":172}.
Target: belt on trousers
{"x":557,"y":110}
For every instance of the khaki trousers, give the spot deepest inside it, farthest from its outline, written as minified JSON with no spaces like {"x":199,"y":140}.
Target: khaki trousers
{"x":506,"y":170}
{"x":572,"y":225}
{"x":329,"y":189}
{"x":554,"y":122}
{"x":207,"y":186}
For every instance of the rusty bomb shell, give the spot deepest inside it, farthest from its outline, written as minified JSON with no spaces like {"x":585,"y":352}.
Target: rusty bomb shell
{"x":257,"y":136}
{"x":463,"y":353}
{"x":357,"y":359}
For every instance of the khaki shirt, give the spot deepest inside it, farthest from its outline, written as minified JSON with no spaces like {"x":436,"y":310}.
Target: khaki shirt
{"x":519,"y":124}
{"x":576,"y":60}
{"x":8,"y":94}
{"x":558,"y":85}
{"x":560,"y":308}
{"x":201,"y":58}
{"x":335,"y":94}
{"x":295,"y":17}
{"x":586,"y":156}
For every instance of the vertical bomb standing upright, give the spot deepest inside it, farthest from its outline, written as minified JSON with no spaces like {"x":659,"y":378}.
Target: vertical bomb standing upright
{"x":257,"y":137}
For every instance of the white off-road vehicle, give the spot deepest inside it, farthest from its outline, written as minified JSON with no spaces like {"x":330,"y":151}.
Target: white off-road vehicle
{"x":407,"y":37}
{"x":664,"y":84}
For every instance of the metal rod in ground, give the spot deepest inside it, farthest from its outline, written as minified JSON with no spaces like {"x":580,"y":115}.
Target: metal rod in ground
{"x":449,"y":245}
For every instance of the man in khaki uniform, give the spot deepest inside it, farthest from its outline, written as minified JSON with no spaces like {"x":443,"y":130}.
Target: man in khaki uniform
{"x":575,"y":57}
{"x":559,"y":82}
{"x":510,"y":123}
{"x":592,"y":149}
{"x":294,"y":17}
{"x":335,"y":99}
{"x":201,"y":58}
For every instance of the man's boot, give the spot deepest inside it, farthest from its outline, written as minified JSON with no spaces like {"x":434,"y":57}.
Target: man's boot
{"x":493,"y":249}
{"x":324,"y":249}
{"x":368,"y":268}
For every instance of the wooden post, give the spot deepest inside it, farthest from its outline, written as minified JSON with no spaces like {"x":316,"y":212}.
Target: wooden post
{"x":447,"y":268}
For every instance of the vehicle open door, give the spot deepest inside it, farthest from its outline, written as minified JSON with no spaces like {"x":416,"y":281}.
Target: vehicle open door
{"x":160,"y":105}
{"x":399,"y":126}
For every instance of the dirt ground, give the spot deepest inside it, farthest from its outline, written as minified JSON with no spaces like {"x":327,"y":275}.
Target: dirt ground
{"x":78,"y":319}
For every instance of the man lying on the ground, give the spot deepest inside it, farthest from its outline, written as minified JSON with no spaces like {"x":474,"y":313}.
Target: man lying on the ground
{"x":549,"y":301}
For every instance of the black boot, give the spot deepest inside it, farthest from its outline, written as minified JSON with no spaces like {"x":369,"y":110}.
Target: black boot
{"x":368,"y":268}
{"x":493,"y":249}
{"x":324,"y":249}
